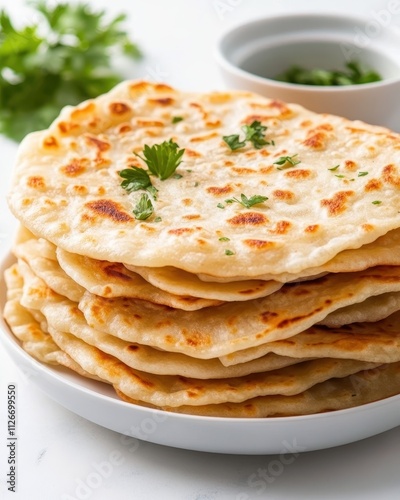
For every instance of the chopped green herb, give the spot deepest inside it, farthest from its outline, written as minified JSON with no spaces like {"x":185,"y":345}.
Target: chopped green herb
{"x":177,"y":176}
{"x":334,"y":168}
{"x":341,"y":176}
{"x":177,"y":119}
{"x":189,"y":170}
{"x":253,"y":133}
{"x":362,"y":174}
{"x":144,"y":207}
{"x":221,"y":205}
{"x":376,"y":202}
{"x":196,"y":184}
{"x":248,"y":202}
{"x":233,"y":141}
{"x":158,"y":219}
{"x":229,"y":252}
{"x":63,"y":56}
{"x":355,"y":74}
{"x":224,"y":238}
{"x":162,"y":159}
{"x":287,"y":161}
{"x":135,"y":179}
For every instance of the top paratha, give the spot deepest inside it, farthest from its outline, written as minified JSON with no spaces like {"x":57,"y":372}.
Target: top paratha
{"x":66,"y":183}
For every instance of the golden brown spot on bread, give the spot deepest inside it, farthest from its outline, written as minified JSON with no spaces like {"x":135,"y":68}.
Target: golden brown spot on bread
{"x":219,"y":98}
{"x":312,"y":228}
{"x":390,"y":175}
{"x":143,"y":381}
{"x":196,"y":339}
{"x":213,"y":123}
{"x":298,"y":173}
{"x":267,"y":316}
{"x":36,"y":182}
{"x":243,"y":170}
{"x":337,"y":204}
{"x":316,"y":141}
{"x":119,"y":108}
{"x":248,"y":218}
{"x":192,"y":217}
{"x":163,"y":87}
{"x":259,"y":244}
{"x":133,"y":347}
{"x":116,"y":271}
{"x":109,"y":209}
{"x":204,"y":137}
{"x":124,"y":128}
{"x":373,"y":185}
{"x":284,"y":195}
{"x":182,"y":230}
{"x":162,"y":101}
{"x":50,"y":142}
{"x":368,"y":227}
{"x":256,"y":118}
{"x":187,"y":202}
{"x":350,"y":165}
{"x":75,"y":167}
{"x":83,"y":111}
{"x":306,"y":123}
{"x":139,"y":87}
{"x":219,"y":190}
{"x":80,"y":190}
{"x":67,"y":127}
{"x":281,"y":227}
{"x":91,"y":140}
{"x":149,"y":123}
{"x":192,"y":153}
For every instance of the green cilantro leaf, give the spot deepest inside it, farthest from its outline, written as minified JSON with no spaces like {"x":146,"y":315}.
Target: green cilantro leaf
{"x":287,"y":161}
{"x":233,"y":141}
{"x":177,"y":119}
{"x":62,"y":58}
{"x":248,"y":202}
{"x":162,"y":159}
{"x":135,"y":179}
{"x":255,"y":134}
{"x":144,"y":207}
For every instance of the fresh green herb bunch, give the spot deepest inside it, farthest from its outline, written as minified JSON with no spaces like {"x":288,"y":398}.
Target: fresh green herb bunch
{"x":63,"y":59}
{"x":354,"y":75}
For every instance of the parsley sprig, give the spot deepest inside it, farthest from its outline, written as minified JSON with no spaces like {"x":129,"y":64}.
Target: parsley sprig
{"x":63,"y":58}
{"x":162,"y":159}
{"x":255,"y":133}
{"x":137,"y":178}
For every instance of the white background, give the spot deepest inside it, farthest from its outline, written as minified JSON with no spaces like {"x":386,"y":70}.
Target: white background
{"x":58,"y":451}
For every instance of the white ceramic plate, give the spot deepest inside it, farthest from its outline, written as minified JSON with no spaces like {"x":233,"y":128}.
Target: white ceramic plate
{"x":98,"y":403}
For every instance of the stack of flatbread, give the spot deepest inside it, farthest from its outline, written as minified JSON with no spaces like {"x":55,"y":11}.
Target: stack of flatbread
{"x":266,"y":280}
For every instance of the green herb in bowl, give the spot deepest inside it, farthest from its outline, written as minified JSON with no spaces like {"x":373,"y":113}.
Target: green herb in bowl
{"x":354,"y":75}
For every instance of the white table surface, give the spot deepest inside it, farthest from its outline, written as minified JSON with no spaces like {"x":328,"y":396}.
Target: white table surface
{"x":57,"y":450}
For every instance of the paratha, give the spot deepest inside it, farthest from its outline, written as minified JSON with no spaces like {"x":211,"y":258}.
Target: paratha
{"x":237,"y":326}
{"x":339,"y":191}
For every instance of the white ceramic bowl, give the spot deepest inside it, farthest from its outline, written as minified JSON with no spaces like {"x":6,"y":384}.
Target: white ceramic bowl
{"x":251,"y":55}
